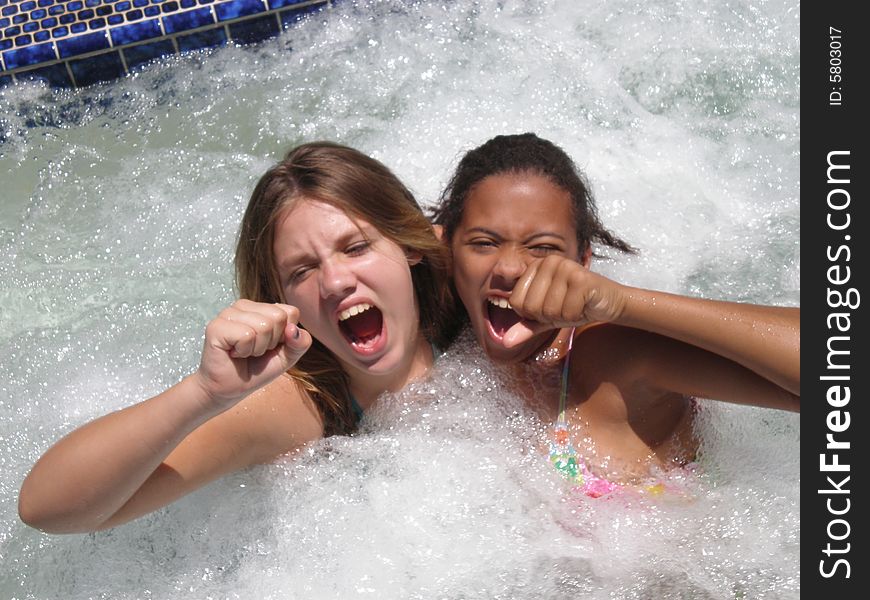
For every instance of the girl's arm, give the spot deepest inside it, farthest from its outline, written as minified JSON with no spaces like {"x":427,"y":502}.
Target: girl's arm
{"x":559,"y":292}
{"x":133,"y":461}
{"x":764,"y":339}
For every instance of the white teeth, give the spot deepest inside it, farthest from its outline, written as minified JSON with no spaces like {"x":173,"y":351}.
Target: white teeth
{"x":353,"y":310}
{"x":501,"y":303}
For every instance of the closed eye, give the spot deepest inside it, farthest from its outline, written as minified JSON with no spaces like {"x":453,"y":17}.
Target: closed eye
{"x":544,"y":249}
{"x":481,"y":243}
{"x":299,"y":275}
{"x":358,"y":248}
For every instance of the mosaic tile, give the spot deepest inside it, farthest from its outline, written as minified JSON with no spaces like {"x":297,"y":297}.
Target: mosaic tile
{"x":90,"y":42}
{"x":188,"y":20}
{"x":253,"y":30}
{"x":203,"y":39}
{"x":135,"y":32}
{"x":145,"y":53}
{"x":55,"y":75}
{"x":234,"y":9}
{"x":102,"y":67}
{"x":31,"y":55}
{"x":49,"y":39}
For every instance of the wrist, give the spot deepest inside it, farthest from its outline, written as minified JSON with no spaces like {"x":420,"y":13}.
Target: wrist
{"x":200,"y":390}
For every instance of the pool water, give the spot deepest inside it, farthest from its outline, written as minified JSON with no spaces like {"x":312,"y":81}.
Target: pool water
{"x":121,"y":202}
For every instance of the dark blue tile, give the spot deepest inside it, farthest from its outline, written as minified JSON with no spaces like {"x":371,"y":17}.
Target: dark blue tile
{"x":281,"y":3}
{"x":78,"y":28}
{"x":152,"y":11}
{"x":291,"y":16}
{"x":23,"y":40}
{"x":169,"y":7}
{"x":4,"y":22}
{"x":96,"y":23}
{"x":93,"y":3}
{"x":136,"y":32}
{"x":32,"y":55}
{"x":202,"y":39}
{"x":134,"y":15}
{"x":12,"y":31}
{"x":234,"y":9}
{"x":59,"y":32}
{"x":187,"y":3}
{"x":187,"y":20}
{"x":29,"y":5}
{"x":45,"y":2}
{"x":86,"y":14}
{"x":9,"y":10}
{"x":102,"y":67}
{"x":90,"y":42}
{"x":38,"y":14}
{"x":54,"y":75}
{"x":30,"y":27}
{"x":140,"y":3}
{"x":5,"y":45}
{"x":254,"y":30}
{"x":19,"y":19}
{"x":122,"y":6}
{"x":66,"y":18}
{"x":115,"y":19}
{"x":143,"y":53}
{"x":41,"y":36}
{"x":56,"y":9}
{"x":74,"y":6}
{"x":102,"y":11}
{"x":48,"y":23}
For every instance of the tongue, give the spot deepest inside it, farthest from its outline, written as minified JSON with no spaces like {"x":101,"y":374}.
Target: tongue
{"x":364,"y":326}
{"x":502,"y":319}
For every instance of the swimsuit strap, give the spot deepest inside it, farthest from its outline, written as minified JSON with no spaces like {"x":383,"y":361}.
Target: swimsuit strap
{"x":561,"y":421}
{"x":356,"y":409}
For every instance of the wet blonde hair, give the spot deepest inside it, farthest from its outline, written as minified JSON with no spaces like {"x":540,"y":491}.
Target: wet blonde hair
{"x":365,"y":189}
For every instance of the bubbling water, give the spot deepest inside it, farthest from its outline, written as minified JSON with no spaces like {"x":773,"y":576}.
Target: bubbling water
{"x":120,"y":207}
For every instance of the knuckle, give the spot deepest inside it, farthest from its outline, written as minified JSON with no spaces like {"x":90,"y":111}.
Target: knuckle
{"x":293,"y":314}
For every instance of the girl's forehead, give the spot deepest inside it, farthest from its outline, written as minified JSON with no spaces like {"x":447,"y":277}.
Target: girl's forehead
{"x":525,"y":197}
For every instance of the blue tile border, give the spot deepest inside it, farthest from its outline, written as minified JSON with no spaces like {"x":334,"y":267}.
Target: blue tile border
{"x":60,"y":41}
{"x":187,"y":20}
{"x":229,"y":11}
{"x":83,"y":44}
{"x":135,"y":32}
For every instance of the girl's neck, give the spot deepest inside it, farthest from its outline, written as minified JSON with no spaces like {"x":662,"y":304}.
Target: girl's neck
{"x":537,"y":378}
{"x":366,"y":387}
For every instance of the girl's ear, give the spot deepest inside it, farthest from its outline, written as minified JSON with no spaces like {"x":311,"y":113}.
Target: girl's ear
{"x":413,"y":257}
{"x":439,"y":231}
{"x":586,"y":259}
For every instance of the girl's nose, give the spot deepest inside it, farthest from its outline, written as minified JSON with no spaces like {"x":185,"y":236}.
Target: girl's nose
{"x":336,"y":279}
{"x":509,"y":266}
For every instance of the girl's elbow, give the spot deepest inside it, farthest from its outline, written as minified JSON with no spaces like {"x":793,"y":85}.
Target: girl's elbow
{"x":48,"y":516}
{"x":31,"y":512}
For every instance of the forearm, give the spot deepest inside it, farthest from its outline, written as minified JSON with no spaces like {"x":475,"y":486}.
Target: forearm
{"x":86,"y":477}
{"x":765,"y":339}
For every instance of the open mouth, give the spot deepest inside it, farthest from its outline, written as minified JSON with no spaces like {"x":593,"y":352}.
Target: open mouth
{"x":362,"y":325}
{"x":501,"y":316}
